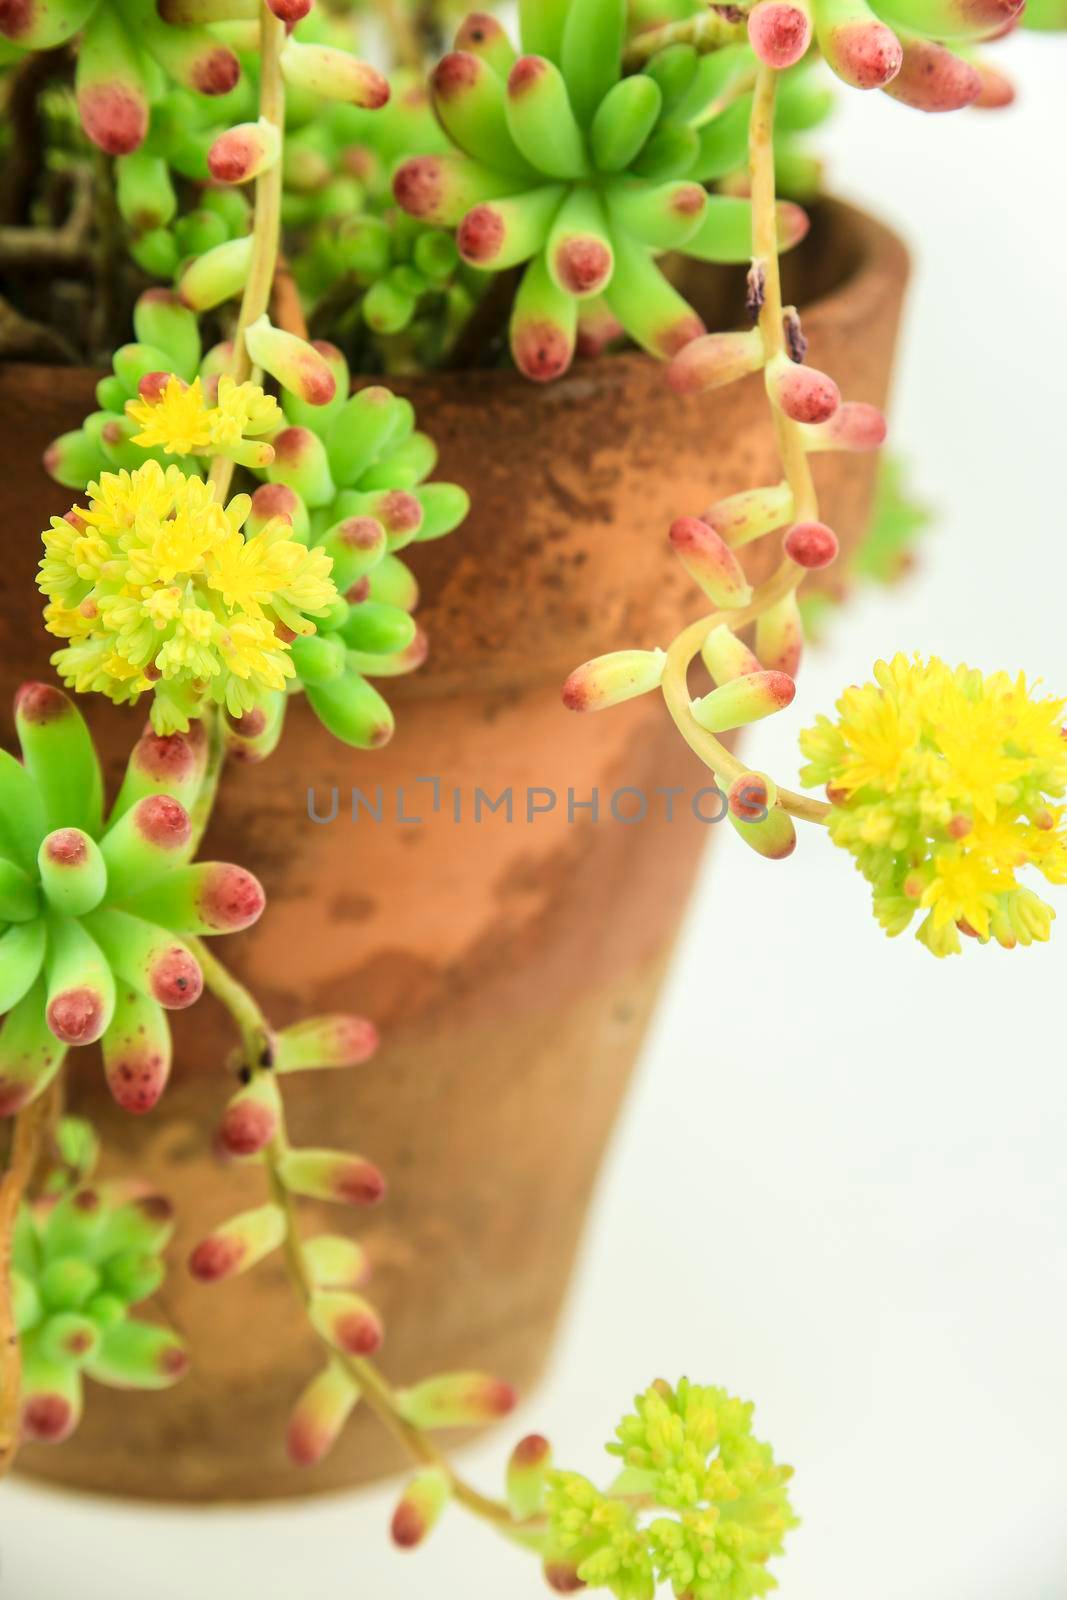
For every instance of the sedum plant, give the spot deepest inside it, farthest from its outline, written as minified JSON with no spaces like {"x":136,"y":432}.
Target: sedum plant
{"x":244,"y":502}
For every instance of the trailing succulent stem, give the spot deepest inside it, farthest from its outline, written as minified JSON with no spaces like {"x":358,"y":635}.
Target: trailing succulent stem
{"x":244,"y":512}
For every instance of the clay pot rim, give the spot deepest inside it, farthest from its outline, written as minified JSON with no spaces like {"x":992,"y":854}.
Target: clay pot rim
{"x":880,"y":255}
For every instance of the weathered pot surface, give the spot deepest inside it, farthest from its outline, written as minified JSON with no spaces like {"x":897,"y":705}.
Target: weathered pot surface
{"x":511,"y":964}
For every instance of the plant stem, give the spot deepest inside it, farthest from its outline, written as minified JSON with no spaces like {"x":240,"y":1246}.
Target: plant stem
{"x":711,"y":30}
{"x":256,"y":1046}
{"x":266,"y":228}
{"x":27,"y":1145}
{"x":796,"y":467}
{"x":711,"y":750}
{"x":200,"y":814}
{"x":765,"y":254}
{"x":403,"y":34}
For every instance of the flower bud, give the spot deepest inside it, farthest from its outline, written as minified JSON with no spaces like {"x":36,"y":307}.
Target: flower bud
{"x":482,"y":35}
{"x":752,"y":796}
{"x":148,"y":958}
{"x":110,"y":84}
{"x":80,"y":988}
{"x":334,"y":1041}
{"x":811,"y":544}
{"x":278,"y":500}
{"x":598,"y":328}
{"x":725,"y":656}
{"x":139,"y":1355}
{"x":774,"y":838}
{"x":209,"y":897}
{"x":742,"y":700}
{"x":295,"y":363}
{"x":860,"y":49}
{"x":710,"y":562}
{"x":353,"y":711}
{"x":854,"y":426}
{"x":804,"y":393}
{"x":73,"y":873}
{"x":442,"y":189}
{"x":544,"y":325}
{"x":50,"y":1399}
{"x":611,"y":679}
{"x":137,"y":1051}
{"x":456,"y":1400}
{"x":320,"y":1414}
{"x":133,"y":1276}
{"x":743,"y":517}
{"x":780,"y":32}
{"x":527,"y":1476}
{"x":243,"y":152}
{"x":332,"y":1175}
{"x":997,"y":89}
{"x":150,"y":839}
{"x":300,"y":462}
{"x":171,"y":764}
{"x":335,"y":1262}
{"x":780,"y":636}
{"x":145,"y":1223}
{"x":932,"y":78}
{"x":252,"y":1117}
{"x":714,"y":360}
{"x":333,"y":74}
{"x":238,"y":1244}
{"x":541,"y":119}
{"x":68,"y":1336}
{"x":420,"y":1508}
{"x":346,"y":1321}
{"x":220,"y":274}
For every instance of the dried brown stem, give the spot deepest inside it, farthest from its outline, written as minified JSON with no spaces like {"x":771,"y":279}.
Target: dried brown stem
{"x":486,"y":324}
{"x":286,"y":309}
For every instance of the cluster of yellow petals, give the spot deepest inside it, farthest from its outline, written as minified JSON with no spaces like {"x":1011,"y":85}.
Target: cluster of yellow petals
{"x":179,"y":420}
{"x":157,"y":589}
{"x":945,"y":784}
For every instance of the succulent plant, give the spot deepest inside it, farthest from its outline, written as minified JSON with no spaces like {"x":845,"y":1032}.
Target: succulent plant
{"x":350,"y":478}
{"x":583,"y":175}
{"x":84,"y":1256}
{"x":94,"y":910}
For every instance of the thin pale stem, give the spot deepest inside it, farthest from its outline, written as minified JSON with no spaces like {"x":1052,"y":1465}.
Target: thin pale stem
{"x":795,"y":464}
{"x":686,"y":647}
{"x":403,"y":34}
{"x":256,"y":1035}
{"x":27,"y":1147}
{"x":711,"y":30}
{"x":266,"y":227}
{"x":216,"y":760}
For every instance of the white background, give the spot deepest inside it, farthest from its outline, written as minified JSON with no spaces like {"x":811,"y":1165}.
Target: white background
{"x":839,"y":1192}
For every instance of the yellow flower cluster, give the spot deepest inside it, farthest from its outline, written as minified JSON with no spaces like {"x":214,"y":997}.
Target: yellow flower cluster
{"x":690,"y":1450}
{"x":158,"y":590}
{"x":944,"y":784}
{"x":180,"y":422}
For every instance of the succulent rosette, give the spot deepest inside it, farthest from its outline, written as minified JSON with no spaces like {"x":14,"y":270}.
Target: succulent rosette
{"x":349,"y":479}
{"x":84,"y":1256}
{"x":96,"y":911}
{"x":583,"y":176}
{"x":131,"y":55}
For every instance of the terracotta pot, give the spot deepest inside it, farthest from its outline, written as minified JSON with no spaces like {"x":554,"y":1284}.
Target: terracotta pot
{"x":512,"y":965}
